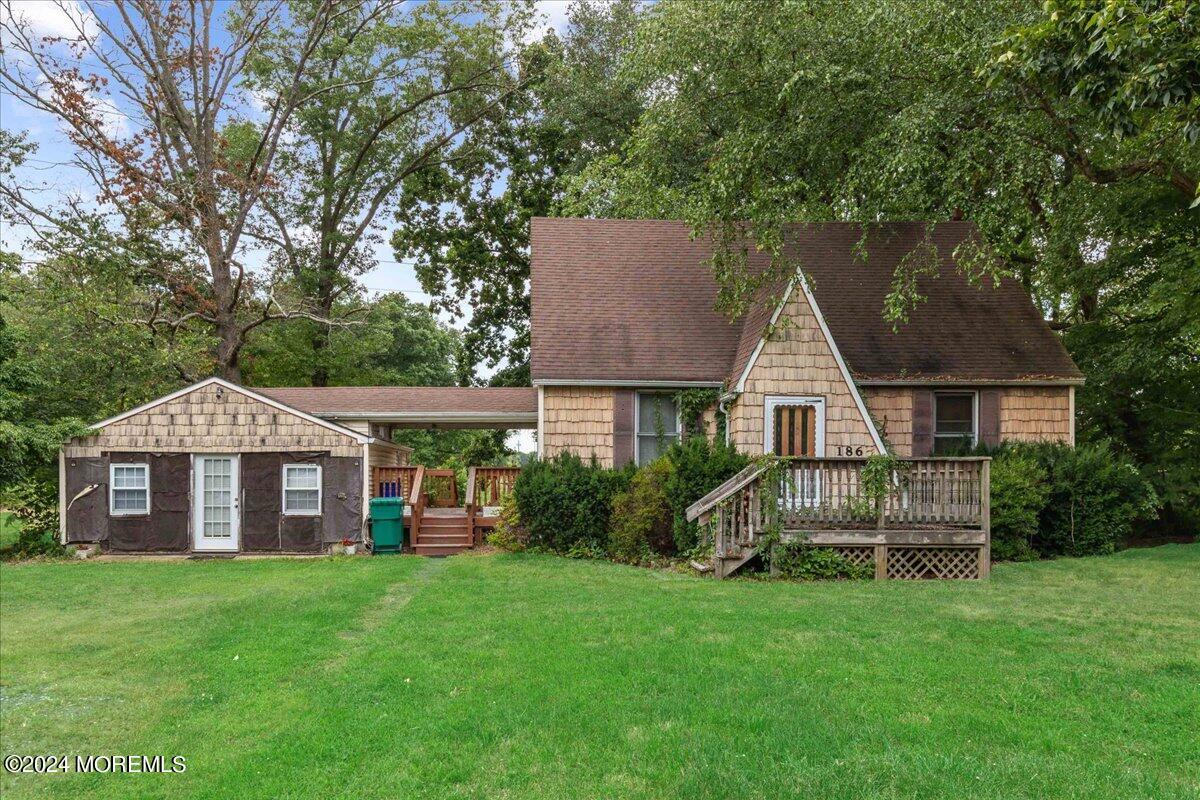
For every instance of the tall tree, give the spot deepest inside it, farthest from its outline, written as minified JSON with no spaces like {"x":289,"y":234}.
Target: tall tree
{"x":398,"y":85}
{"x":1065,"y":130}
{"x":466,"y":224}
{"x":174,"y":74}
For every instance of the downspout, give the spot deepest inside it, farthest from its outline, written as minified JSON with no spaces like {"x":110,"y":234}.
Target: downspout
{"x":721,"y":409}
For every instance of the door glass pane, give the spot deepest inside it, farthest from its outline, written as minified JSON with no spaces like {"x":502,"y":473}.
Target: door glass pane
{"x":218,"y":497}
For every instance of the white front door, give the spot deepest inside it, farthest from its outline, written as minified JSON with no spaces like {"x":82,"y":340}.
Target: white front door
{"x":215,"y":493}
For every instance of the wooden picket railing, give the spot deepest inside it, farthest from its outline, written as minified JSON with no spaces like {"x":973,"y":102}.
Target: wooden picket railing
{"x":918,"y":503}
{"x":392,"y":481}
{"x":486,"y":487}
{"x":441,"y":488}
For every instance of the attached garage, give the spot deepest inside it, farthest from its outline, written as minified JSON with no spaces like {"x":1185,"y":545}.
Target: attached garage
{"x":216,"y":468}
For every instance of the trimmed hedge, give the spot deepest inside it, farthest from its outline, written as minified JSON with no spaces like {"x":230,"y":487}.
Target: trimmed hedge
{"x":699,"y":467}
{"x":565,"y":504}
{"x":1052,"y":499}
{"x":641,"y":516}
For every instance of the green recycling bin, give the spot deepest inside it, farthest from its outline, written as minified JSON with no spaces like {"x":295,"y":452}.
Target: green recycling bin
{"x":387,"y":524}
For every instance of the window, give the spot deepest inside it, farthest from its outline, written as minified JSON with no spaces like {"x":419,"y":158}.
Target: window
{"x":953,"y":422}
{"x":302,"y":489}
{"x":129,"y":489}
{"x":657,"y":425}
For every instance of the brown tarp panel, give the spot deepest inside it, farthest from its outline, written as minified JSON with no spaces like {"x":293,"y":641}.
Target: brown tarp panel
{"x":989,"y":417}
{"x":261,"y":501}
{"x":165,"y":528}
{"x":623,"y":430}
{"x":263,"y":526}
{"x":922,"y":445}
{"x":87,"y":517}
{"x":342,"y":501}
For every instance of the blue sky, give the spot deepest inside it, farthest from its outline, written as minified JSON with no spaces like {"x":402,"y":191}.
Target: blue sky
{"x":49,"y":167}
{"x":60,"y":18}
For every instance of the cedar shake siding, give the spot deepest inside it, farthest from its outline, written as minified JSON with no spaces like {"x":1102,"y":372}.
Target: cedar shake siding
{"x":214,"y":418}
{"x":1033,"y":414}
{"x":578,"y":419}
{"x":892,"y":410}
{"x":796,"y":360}
{"x":1005,"y":413}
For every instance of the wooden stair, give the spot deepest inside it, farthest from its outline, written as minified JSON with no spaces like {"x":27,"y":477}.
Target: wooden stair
{"x":443,"y":532}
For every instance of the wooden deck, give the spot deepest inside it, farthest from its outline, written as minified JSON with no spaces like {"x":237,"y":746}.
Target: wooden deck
{"x":928,"y":518}
{"x":436,"y":521}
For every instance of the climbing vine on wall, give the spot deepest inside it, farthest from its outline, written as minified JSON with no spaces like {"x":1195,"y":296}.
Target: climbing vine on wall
{"x":692,"y":405}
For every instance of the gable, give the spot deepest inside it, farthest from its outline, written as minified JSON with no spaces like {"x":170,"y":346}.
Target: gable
{"x":215,"y":416}
{"x":797,"y":359}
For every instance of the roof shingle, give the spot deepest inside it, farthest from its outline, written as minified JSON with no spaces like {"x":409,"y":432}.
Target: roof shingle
{"x":633,"y":300}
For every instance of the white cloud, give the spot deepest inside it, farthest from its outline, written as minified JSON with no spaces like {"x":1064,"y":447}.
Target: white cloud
{"x":551,"y":15}
{"x":65,"y":19}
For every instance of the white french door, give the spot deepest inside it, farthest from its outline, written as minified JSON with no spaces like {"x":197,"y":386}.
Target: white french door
{"x":215,"y":490}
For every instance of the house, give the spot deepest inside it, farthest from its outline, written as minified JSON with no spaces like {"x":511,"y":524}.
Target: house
{"x":623,"y":320}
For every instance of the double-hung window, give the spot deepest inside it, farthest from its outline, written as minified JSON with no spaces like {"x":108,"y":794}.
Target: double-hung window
{"x":955,"y":426}
{"x":129,"y":489}
{"x":302,"y":489}
{"x":657,"y":425}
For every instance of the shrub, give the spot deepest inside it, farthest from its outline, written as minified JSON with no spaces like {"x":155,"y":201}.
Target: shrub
{"x":641,"y":516}
{"x":565,"y":503}
{"x":798,"y":560}
{"x":509,"y":534}
{"x":698,"y":467}
{"x":1095,"y":496}
{"x":37,"y":510}
{"x":1019,"y":493}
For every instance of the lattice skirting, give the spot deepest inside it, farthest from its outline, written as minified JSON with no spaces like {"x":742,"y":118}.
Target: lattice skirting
{"x":856,"y":554}
{"x":927,"y":563}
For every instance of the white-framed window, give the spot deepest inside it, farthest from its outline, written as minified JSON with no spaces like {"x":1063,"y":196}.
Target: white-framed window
{"x":128,"y":489}
{"x":302,"y":489}
{"x":657,"y":425}
{"x":955,"y":422}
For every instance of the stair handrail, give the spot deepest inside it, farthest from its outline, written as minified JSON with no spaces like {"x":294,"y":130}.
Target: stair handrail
{"x":416,"y":504}
{"x":703,"y":508}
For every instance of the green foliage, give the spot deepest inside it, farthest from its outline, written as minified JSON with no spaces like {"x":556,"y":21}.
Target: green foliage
{"x":693,"y":403}
{"x":1052,"y":499}
{"x":37,"y":511}
{"x":1095,"y":497}
{"x":566,"y":503}
{"x":641,"y":515}
{"x":1019,"y":494}
{"x":509,"y":533}
{"x":466,"y":223}
{"x":698,"y":467}
{"x":798,"y":560}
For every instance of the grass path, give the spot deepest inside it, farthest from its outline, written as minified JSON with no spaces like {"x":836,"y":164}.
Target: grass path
{"x":527,"y":676}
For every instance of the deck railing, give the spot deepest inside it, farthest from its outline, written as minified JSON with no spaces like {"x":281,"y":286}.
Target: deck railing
{"x":392,"y":481}
{"x":487,"y":486}
{"x":814,"y":495}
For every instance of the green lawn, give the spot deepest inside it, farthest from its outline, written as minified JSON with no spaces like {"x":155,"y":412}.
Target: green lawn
{"x":531,"y":676}
{"x":10,"y":527}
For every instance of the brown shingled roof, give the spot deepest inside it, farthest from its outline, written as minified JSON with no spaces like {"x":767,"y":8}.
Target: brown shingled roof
{"x":349,"y":400}
{"x":632,"y":300}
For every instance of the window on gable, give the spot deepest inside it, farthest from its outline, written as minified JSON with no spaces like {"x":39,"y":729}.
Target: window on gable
{"x":657,"y":425}
{"x":302,"y":489}
{"x":954,"y":428}
{"x":129,"y":486}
